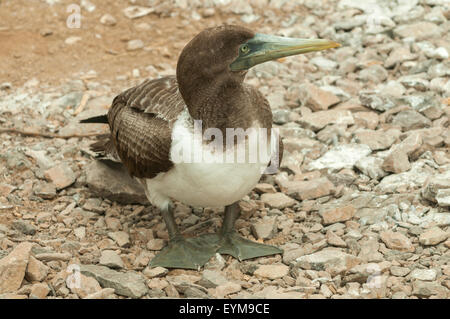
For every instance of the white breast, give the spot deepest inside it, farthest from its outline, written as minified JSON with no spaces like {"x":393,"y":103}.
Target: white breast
{"x":206,"y":184}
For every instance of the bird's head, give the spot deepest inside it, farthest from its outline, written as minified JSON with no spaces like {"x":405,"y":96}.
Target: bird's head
{"x":227,"y":52}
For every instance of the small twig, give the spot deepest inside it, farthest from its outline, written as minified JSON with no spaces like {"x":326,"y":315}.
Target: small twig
{"x":45,"y":135}
{"x":83,"y":102}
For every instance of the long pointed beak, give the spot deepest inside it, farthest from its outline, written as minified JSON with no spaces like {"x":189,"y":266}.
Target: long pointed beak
{"x":262,"y":48}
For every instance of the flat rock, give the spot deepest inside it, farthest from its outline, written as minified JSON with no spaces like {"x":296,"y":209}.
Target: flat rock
{"x":426,"y":289}
{"x":13,"y":267}
{"x":371,"y":166}
{"x":61,"y":176}
{"x":433,"y":236}
{"x":435,"y":184}
{"x":318,"y":120}
{"x":315,"y":98}
{"x":419,"y":31}
{"x":36,"y":270}
{"x":129,"y":284}
{"x":423,"y":274}
{"x":329,"y":259}
{"x":264,"y":229}
{"x":272,"y":271}
{"x":87,"y":285}
{"x":339,"y":214}
{"x":111,"y":259}
{"x":410,"y":120}
{"x":397,"y":241}
{"x":121,"y":238}
{"x":341,"y":156}
{"x":311,"y":189}
{"x":376,"y":140}
{"x":277,"y":200}
{"x":212,"y":279}
{"x":114,"y":183}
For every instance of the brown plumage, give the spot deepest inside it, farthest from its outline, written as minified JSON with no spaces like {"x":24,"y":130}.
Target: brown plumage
{"x":141,"y":118}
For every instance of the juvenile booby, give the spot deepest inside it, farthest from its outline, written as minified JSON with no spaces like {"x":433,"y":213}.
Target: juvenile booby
{"x":153,"y":122}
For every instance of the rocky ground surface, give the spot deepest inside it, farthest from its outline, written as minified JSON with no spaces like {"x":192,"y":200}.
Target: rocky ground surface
{"x":360,"y":206}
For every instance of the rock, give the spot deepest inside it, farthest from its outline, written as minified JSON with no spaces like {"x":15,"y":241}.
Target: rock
{"x":324,"y":63}
{"x":134,"y":12}
{"x":396,"y":162}
{"x":13,"y":267}
{"x":332,"y":260}
{"x":397,"y":241}
{"x":433,"y":236}
{"x":410,"y":120}
{"x":108,"y":20}
{"x":315,"y":98}
{"x":424,"y":274}
{"x":39,"y":291}
{"x":271,"y":271}
{"x":155,"y":272}
{"x":53,"y":256}
{"x":318,"y":120}
{"x":24,"y":227}
{"x":398,"y":55}
{"x":102,"y":294}
{"x":335,"y":240}
{"x":45,"y":190}
{"x":371,"y":166}
{"x":114,"y":183}
{"x":419,"y":31}
{"x":443,"y":197}
{"x":341,"y":156}
{"x":61,"y":176}
{"x":87,"y":286}
{"x":72,"y":40}
{"x":155,"y":244}
{"x":227,"y":289}
{"x":339,"y":214}
{"x":399,"y":271}
{"x":121,"y":238}
{"x":415,"y":177}
{"x":212,"y":279}
{"x":36,"y":270}
{"x":129,"y":284}
{"x":264,"y":229}
{"x":134,"y":45}
{"x":311,"y":189}
{"x":424,"y":289}
{"x":373,"y":74}
{"x":111,"y":259}
{"x":376,"y":140}
{"x":265,"y":188}
{"x":436,"y":183}
{"x":277,"y":200}
{"x":80,"y":232}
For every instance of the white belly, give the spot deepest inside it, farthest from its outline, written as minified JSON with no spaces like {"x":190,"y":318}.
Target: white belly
{"x":206,"y":184}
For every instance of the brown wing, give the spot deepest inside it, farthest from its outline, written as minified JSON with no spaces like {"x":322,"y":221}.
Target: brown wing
{"x":141,"y":120}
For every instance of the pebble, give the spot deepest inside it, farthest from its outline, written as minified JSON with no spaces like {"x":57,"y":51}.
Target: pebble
{"x":433,"y":236}
{"x":271,"y":271}
{"x":13,"y":267}
{"x":111,"y":259}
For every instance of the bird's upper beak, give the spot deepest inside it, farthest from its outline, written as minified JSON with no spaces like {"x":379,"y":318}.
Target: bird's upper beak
{"x":262,"y":48}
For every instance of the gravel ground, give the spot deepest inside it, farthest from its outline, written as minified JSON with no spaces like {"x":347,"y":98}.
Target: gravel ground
{"x":360,"y":205}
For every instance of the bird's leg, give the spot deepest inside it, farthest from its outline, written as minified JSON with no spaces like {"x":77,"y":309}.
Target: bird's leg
{"x":186,"y":253}
{"x":232,"y":244}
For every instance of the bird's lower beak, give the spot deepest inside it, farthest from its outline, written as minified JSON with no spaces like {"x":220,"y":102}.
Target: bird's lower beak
{"x":263,"y":48}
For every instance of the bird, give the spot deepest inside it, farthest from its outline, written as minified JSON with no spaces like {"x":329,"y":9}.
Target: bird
{"x":162,"y":132}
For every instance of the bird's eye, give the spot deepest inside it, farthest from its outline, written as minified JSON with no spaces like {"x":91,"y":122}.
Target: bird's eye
{"x":245,"y":49}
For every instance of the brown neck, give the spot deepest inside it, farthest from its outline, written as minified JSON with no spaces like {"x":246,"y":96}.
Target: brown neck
{"x":220,"y":103}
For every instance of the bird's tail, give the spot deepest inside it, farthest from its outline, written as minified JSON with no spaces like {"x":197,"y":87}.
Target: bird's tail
{"x":103,"y":148}
{"x":96,"y":119}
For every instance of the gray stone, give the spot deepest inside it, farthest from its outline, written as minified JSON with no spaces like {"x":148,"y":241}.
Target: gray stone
{"x":342,"y":156}
{"x":121,"y":238}
{"x":129,"y":284}
{"x":111,"y":259}
{"x":423,"y":274}
{"x":371,"y":166}
{"x":114,"y":183}
{"x":212,"y":279}
{"x":24,"y":227}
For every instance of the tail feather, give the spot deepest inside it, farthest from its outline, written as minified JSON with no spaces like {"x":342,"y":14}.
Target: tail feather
{"x":96,"y":119}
